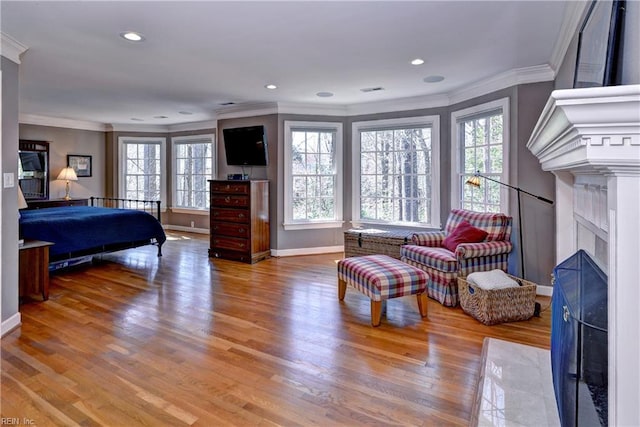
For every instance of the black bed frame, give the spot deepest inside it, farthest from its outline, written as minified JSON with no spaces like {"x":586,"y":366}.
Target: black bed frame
{"x":74,"y":258}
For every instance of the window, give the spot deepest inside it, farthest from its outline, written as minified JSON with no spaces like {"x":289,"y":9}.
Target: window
{"x":480,"y":135}
{"x":193,"y":166}
{"x":313,"y":175}
{"x":396,"y":171}
{"x":141,"y":163}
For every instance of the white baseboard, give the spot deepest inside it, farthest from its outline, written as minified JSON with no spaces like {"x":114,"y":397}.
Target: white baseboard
{"x":10,"y":324}
{"x":186,"y":229}
{"x":307,"y":251}
{"x":544,"y":290}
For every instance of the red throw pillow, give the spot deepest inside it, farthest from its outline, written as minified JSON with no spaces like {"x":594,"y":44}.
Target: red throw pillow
{"x":464,"y":233}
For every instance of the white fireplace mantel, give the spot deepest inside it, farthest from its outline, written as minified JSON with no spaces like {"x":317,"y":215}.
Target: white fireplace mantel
{"x":590,"y":130}
{"x":590,"y":139}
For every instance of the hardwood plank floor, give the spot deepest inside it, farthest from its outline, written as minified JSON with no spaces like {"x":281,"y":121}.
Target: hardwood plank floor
{"x":189,"y":340}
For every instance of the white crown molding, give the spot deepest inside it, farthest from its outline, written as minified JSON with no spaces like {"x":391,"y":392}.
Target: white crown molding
{"x":185,"y":127}
{"x":35,"y":119}
{"x":11,"y":48}
{"x":403,"y":104}
{"x":312,"y":109}
{"x":573,"y":15}
{"x":535,"y":74}
{"x":128,"y":127}
{"x":249,"y":110}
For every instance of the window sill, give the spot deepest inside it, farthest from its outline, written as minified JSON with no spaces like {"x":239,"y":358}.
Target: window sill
{"x":312,"y":225}
{"x":190,"y":211}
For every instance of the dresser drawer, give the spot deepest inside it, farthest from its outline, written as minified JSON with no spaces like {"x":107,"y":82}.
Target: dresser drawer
{"x":233,"y":215}
{"x":233,"y":255}
{"x":230,"y":243}
{"x":223,"y":200}
{"x":229,"y":187}
{"x":229,"y":229}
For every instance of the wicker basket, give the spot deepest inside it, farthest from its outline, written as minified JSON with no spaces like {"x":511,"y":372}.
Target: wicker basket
{"x":359,"y":242}
{"x":498,"y":305}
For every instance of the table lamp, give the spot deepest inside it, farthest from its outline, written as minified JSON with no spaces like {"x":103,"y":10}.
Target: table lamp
{"x":67,"y":174}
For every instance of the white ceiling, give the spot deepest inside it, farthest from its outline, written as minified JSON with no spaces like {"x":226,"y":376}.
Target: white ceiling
{"x":198,"y":55}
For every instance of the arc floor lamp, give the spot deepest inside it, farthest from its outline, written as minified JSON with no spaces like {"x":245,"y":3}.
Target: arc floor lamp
{"x":475,"y":182}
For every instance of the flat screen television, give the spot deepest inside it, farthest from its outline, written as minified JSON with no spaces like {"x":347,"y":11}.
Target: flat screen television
{"x":245,"y":146}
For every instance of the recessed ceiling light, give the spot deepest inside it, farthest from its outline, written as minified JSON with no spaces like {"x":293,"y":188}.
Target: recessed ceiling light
{"x":271,"y":86}
{"x":433,"y":79}
{"x":132,"y":36}
{"x":185,"y":113}
{"x":324,"y":94}
{"x":372,"y":89}
{"x":135,"y":119}
{"x":417,"y":61}
{"x":160,"y":117}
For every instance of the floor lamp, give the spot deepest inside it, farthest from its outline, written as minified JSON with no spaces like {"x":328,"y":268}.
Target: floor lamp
{"x":475,"y":182}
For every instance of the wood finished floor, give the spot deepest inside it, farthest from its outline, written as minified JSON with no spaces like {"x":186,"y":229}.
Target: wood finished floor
{"x":188,"y":340}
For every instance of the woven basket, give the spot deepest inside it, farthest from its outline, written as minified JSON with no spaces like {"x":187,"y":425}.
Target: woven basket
{"x":498,"y":305}
{"x":359,"y":242}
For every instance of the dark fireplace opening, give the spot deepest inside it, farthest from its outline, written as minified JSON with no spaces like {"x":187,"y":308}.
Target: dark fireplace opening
{"x":579,"y":358}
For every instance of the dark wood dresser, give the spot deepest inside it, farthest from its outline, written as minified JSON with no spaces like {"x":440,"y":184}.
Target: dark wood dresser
{"x":56,"y":203}
{"x":239,"y":220}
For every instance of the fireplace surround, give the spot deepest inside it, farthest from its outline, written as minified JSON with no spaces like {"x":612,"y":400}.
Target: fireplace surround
{"x":590,"y":140}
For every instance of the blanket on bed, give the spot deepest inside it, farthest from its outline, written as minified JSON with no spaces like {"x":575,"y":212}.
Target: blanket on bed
{"x":75,"y":229}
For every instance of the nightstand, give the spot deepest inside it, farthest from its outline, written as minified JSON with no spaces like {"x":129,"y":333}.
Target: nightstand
{"x":34,"y":268}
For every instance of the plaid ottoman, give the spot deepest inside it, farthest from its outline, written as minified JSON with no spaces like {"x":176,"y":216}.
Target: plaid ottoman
{"x":381,"y":277}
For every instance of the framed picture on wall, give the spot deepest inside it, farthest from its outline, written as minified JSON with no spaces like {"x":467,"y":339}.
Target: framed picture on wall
{"x":598,"y":60}
{"x":80,"y":163}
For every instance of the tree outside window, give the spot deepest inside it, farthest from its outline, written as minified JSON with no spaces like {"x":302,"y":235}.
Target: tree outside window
{"x":193,"y":168}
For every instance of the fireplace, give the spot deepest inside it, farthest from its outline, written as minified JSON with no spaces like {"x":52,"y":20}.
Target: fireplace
{"x":590,"y":140}
{"x":579,"y":360}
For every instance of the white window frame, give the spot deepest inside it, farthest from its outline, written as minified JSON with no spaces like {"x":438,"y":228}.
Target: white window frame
{"x":456,"y":147}
{"x":122,"y":158}
{"x":289,"y":222}
{"x":189,"y":139}
{"x":425,"y":121}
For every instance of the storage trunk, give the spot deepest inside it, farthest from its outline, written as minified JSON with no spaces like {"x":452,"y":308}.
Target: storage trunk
{"x":359,"y":242}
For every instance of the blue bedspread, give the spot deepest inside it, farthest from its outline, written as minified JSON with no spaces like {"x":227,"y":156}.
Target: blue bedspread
{"x":75,"y":229}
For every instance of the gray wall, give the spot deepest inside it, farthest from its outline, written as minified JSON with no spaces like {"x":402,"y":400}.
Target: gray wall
{"x":538,"y":218}
{"x":269,"y":172}
{"x":10,"y":113}
{"x":294,"y":239}
{"x":63,"y":141}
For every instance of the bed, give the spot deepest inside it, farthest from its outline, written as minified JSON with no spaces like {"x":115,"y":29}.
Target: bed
{"x":107,"y":225}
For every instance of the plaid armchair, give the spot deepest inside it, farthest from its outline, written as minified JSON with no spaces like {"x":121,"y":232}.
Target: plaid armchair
{"x":427,"y":252}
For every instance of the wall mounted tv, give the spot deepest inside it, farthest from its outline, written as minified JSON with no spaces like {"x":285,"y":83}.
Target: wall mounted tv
{"x":245,"y":146}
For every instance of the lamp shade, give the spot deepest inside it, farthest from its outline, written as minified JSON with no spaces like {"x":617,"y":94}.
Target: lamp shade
{"x":68,"y":174}
{"x":22,"y":203}
{"x":474,"y":181}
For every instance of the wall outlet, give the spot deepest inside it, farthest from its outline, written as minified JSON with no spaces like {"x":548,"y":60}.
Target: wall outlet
{"x":193,"y":224}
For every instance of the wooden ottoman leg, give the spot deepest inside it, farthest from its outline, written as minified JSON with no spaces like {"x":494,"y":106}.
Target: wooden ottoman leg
{"x":376,"y":312}
{"x":342,"y":289}
{"x":422,"y":303}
